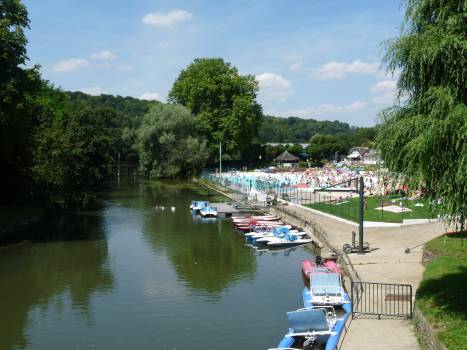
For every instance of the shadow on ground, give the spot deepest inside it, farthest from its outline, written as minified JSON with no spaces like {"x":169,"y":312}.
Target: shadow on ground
{"x":447,"y":292}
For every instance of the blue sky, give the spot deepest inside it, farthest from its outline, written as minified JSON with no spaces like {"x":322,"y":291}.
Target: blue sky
{"x":313,"y":58}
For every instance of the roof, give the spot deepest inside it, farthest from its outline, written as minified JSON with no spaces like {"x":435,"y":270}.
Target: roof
{"x":361,"y":150}
{"x":287,"y":157}
{"x":304,"y":145}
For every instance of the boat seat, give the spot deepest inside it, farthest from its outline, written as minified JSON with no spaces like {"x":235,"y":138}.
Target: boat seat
{"x":308,"y":320}
{"x":321,"y":269}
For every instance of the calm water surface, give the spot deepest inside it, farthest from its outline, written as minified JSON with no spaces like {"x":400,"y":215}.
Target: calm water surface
{"x":131,"y":276}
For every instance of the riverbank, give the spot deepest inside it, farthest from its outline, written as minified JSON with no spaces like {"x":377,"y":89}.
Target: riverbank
{"x":441,"y":296}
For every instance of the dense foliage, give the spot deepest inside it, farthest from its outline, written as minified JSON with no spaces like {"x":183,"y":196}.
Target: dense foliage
{"x":222,"y":100}
{"x":17,"y":87}
{"x":167,"y":144}
{"x":129,"y":113}
{"x":73,"y":155}
{"x":425,"y":138}
{"x":291,"y":130}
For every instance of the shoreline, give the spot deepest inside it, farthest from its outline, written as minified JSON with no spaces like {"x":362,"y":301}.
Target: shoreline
{"x":386,"y":263}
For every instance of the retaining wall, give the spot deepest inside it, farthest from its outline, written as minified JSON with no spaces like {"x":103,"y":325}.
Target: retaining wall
{"x":426,"y":333}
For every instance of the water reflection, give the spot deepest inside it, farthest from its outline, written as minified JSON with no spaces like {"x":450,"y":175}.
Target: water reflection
{"x":64,"y":263}
{"x":207,"y":257}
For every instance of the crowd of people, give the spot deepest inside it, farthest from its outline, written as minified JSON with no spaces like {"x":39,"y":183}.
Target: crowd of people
{"x":309,"y":179}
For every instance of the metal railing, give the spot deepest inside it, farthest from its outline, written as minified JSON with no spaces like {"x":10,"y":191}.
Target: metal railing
{"x":381,"y":299}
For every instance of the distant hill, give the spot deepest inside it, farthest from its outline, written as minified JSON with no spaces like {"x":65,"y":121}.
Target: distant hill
{"x":298,"y":130}
{"x":129,"y":109}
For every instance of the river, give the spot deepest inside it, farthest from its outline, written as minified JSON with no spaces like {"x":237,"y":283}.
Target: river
{"x":135,"y":276}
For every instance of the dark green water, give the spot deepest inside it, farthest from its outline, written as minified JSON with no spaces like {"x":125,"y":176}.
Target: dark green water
{"x":131,"y":276}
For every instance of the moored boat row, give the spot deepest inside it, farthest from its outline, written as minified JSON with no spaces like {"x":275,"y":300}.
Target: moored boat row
{"x":327,"y":307}
{"x":270,"y":231}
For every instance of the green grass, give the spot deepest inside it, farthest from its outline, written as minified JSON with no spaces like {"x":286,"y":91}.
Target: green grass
{"x":349,"y":210}
{"x":442,"y":294}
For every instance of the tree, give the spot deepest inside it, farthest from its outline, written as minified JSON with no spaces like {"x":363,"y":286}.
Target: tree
{"x":273,"y":151}
{"x":425,"y":137}
{"x":293,"y":129}
{"x":168,"y":145}
{"x":223,"y":101}
{"x":73,"y":154}
{"x":296,"y":149}
{"x":129,"y":112}
{"x":17,"y":87}
{"x":325,"y":147}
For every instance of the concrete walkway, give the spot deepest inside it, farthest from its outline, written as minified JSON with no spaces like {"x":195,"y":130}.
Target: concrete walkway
{"x":387,"y":263}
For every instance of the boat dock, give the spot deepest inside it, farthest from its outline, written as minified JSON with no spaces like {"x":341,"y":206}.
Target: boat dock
{"x":225,"y":209}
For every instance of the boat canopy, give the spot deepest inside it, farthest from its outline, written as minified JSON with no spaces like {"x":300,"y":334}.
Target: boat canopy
{"x":208,"y":209}
{"x":326,"y":284}
{"x":281,"y":231}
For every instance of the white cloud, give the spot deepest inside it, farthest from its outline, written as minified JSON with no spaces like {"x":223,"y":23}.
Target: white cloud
{"x":338,"y":70}
{"x":384,"y":86}
{"x":386,"y":90}
{"x":162,"y":45}
{"x":296,"y":65}
{"x":105,"y":55}
{"x":274,"y":86}
{"x":151,"y":96}
{"x":167,"y":19}
{"x":386,"y":98}
{"x":126,"y":67}
{"x":70,"y":64}
{"x":295,"y":62}
{"x":93,"y":90}
{"x":325,"y":109}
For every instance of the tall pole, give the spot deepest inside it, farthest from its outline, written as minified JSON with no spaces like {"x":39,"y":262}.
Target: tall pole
{"x":118,"y":169}
{"x":361,"y":192}
{"x":220,"y":158}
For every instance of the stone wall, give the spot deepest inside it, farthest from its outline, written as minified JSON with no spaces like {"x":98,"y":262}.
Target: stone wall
{"x":425,"y":332}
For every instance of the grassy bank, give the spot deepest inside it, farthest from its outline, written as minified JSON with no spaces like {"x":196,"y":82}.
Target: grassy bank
{"x":349,"y":209}
{"x":442,"y":294}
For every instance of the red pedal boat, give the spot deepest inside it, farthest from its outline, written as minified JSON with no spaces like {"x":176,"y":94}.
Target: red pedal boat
{"x":308,"y":266}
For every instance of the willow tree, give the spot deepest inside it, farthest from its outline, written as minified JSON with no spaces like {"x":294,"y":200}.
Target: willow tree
{"x":425,"y":136}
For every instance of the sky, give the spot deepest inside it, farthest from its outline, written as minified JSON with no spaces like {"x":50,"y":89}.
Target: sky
{"x":317,"y":59}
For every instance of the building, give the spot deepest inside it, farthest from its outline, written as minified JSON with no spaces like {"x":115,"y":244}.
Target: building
{"x":363,"y":155}
{"x":287,"y":159}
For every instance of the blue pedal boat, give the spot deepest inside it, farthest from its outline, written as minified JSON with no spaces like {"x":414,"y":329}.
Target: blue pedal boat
{"x":311,"y":326}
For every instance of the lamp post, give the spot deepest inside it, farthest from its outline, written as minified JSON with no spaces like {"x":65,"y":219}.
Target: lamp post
{"x":220,"y":158}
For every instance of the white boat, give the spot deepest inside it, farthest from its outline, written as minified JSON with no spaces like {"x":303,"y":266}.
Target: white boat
{"x":325,"y":289}
{"x":265,"y":229}
{"x":267,"y":236}
{"x":284,"y":242}
{"x":208,"y":212}
{"x":283,"y":236}
{"x":258,"y":218}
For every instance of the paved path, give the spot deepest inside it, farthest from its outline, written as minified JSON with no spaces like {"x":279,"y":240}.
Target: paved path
{"x":388,"y":263}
